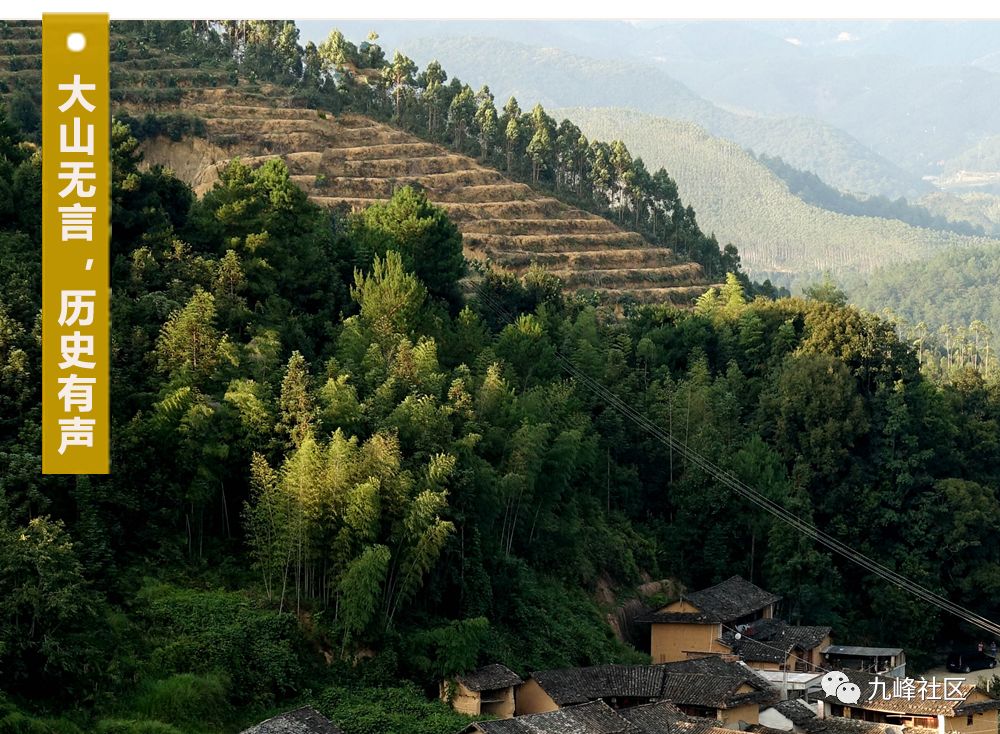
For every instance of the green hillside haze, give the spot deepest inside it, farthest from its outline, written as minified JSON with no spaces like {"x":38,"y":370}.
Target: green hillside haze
{"x":739,"y":200}
{"x":561,"y":79}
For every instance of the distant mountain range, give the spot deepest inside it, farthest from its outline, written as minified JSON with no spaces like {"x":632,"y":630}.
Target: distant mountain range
{"x":559,"y":79}
{"x":741,"y":201}
{"x":886,"y":103}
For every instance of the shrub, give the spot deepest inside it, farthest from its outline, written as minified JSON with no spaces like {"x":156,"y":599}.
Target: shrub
{"x":185,"y":699}
{"x":130,"y":726}
{"x":52,"y":630}
{"x":206,"y":631}
{"x":13,"y":721}
{"x":394,"y":710}
{"x":17,"y":722}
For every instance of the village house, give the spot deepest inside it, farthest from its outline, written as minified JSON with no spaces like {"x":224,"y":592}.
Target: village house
{"x":799,"y":717}
{"x":694,"y":624}
{"x":596,"y":717}
{"x":880,"y":660}
{"x":773,"y":644}
{"x":726,"y":692}
{"x":593,"y":717}
{"x":488,"y":690}
{"x":973,"y":712}
{"x":305,"y":720}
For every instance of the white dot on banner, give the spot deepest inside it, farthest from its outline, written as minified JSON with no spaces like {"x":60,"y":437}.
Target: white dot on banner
{"x":76,"y":42}
{"x":90,"y":264}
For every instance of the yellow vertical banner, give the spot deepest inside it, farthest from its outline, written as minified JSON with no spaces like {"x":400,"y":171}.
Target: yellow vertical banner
{"x":76,"y":214}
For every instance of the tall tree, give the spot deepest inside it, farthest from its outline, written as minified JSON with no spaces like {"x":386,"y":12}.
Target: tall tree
{"x":398,"y":75}
{"x":461,"y":117}
{"x":428,"y":243}
{"x":486,"y":123}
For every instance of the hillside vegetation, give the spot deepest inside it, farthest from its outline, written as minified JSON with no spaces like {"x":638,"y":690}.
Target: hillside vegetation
{"x":422,"y":488}
{"x":740,"y":201}
{"x":337,"y":479}
{"x":980,"y":209}
{"x":950,"y":291}
{"x":908,"y":91}
{"x":914,"y":114}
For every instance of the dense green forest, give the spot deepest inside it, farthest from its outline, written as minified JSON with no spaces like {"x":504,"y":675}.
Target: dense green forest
{"x":738,"y":199}
{"x":949,"y":302}
{"x":811,"y":189}
{"x":336,"y":479}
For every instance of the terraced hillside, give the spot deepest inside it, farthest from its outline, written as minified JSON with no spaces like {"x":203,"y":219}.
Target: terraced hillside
{"x":354,"y":161}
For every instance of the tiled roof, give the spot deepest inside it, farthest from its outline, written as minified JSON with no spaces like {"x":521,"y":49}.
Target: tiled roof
{"x":761,"y":729}
{"x":795,"y":710}
{"x":304,"y":720}
{"x":701,"y":689}
{"x":687,"y":675}
{"x":575,"y":685}
{"x":772,"y":640}
{"x":708,"y":681}
{"x":841,"y":725}
{"x":665,"y":718}
{"x":733,"y":598}
{"x":715,"y":665}
{"x":489,"y":678}
{"x":588,"y":718}
{"x":861,"y":651}
{"x":872,"y":698}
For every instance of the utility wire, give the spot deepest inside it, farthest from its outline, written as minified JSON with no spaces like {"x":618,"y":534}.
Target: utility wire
{"x":742,"y":489}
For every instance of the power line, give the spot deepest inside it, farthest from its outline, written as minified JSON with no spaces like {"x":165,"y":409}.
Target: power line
{"x":742,"y":489}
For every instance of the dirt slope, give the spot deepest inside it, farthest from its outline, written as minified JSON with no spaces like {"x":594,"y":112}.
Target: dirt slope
{"x":355,"y":161}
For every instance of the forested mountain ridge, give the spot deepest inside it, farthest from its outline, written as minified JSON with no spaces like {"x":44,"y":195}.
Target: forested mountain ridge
{"x":740,"y":200}
{"x":916,"y":93}
{"x":807,"y":186}
{"x":949,"y":300}
{"x":563,"y":80}
{"x":337,"y":479}
{"x":979,"y":209}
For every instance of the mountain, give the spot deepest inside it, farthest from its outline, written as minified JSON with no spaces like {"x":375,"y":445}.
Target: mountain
{"x":206,"y":116}
{"x":338,"y":488}
{"x":813,"y":190}
{"x":981,"y":209}
{"x":916,"y":116}
{"x":557,"y":78}
{"x":741,"y":201}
